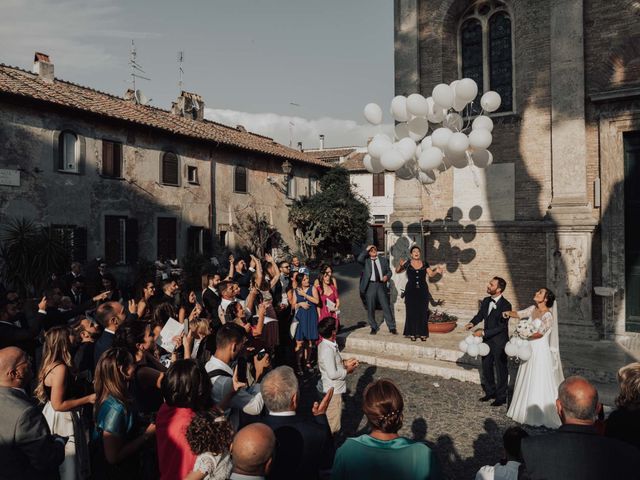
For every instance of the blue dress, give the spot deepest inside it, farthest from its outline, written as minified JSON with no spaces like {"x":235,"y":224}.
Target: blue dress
{"x":308,"y":326}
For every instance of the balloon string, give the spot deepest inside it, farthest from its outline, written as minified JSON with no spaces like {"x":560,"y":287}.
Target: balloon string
{"x":476,"y":180}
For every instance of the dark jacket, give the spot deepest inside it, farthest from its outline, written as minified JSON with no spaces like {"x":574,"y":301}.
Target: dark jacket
{"x":211,"y":302}
{"x":27,"y":448}
{"x":304,"y":446}
{"x":104,"y":343}
{"x":496,"y":328}
{"x":578,"y":452}
{"x":624,"y":424}
{"x":364,"y":259}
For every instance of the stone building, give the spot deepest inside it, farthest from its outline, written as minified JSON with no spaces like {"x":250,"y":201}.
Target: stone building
{"x":560,"y":205}
{"x":120,"y":180}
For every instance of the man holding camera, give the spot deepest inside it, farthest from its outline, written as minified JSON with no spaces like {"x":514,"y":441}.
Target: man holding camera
{"x":230,"y":342}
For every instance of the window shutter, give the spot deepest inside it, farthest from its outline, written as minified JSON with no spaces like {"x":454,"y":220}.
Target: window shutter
{"x":107,"y":158}
{"x":170,"y":174}
{"x":117,"y":160}
{"x":207,"y":243}
{"x":79,"y":249}
{"x":131,"y":248}
{"x":240,"y":180}
{"x":111,"y":239}
{"x":167,"y":237}
{"x":192,"y":239}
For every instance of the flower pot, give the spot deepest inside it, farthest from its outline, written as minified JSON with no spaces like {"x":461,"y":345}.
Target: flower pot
{"x":442,"y":327}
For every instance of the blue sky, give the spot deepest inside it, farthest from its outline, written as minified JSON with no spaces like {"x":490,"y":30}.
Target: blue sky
{"x":249,"y":59}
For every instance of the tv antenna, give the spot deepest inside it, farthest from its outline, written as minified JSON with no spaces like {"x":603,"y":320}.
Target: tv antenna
{"x":180,"y":69}
{"x":136,"y":69}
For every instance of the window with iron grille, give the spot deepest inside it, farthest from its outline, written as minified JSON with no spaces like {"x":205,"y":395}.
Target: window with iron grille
{"x":120,"y":240}
{"x":73,"y":239}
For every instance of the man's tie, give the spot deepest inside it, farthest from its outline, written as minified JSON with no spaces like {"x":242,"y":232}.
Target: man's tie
{"x":376,"y":272}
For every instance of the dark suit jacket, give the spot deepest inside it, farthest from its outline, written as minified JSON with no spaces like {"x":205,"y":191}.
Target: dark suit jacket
{"x":211,"y":302}
{"x":578,"y":452}
{"x":55,"y":317}
{"x":104,"y":343}
{"x":496,"y":328}
{"x":304,"y":446}
{"x":27,"y":448}
{"x":363,"y":259}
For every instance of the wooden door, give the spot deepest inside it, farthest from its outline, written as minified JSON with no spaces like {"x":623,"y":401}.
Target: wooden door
{"x":167,"y":232}
{"x":632,"y":229}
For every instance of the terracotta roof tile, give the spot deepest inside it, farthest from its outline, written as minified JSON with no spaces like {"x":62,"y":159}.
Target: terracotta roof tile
{"x":330,"y":153}
{"x":354,"y":162}
{"x":16,"y":81}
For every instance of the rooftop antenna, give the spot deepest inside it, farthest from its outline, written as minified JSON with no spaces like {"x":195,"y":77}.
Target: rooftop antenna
{"x":136,"y":69}
{"x":180,"y":69}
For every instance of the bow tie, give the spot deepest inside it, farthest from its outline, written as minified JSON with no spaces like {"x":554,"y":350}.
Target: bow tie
{"x":493,"y":301}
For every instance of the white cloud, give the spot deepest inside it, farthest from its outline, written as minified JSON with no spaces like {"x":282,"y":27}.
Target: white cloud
{"x":337,"y":132}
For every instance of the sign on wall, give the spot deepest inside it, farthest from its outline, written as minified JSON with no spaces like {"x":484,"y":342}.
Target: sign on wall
{"x":9,"y":177}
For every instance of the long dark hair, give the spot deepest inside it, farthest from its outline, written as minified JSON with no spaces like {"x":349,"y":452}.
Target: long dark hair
{"x":550,"y":298}
{"x":186,"y":385}
{"x":130,"y":334}
{"x":110,"y":378}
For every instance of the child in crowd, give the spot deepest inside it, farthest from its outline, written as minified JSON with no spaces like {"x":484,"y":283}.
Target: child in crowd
{"x":210,"y":437}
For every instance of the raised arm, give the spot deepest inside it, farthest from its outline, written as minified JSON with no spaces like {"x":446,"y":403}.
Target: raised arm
{"x":402,"y":266}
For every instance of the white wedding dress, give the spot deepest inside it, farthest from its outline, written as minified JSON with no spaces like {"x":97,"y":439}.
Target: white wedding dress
{"x":536,"y":389}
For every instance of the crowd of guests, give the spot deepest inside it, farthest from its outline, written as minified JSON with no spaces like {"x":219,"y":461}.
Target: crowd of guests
{"x":90,"y":387}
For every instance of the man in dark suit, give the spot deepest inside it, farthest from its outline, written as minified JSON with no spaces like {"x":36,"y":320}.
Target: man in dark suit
{"x":304,"y":446}
{"x":576,"y":450}
{"x":27,"y":448}
{"x":110,"y":316}
{"x":76,"y":293}
{"x":75,"y":273}
{"x":211,"y":297}
{"x":496,"y":335}
{"x":373,"y":285}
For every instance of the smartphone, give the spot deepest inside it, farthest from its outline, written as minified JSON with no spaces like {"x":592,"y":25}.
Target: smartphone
{"x":242,"y":369}
{"x":186,"y":327}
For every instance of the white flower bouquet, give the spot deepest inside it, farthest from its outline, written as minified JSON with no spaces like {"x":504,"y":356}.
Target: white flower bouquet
{"x":527,"y":327}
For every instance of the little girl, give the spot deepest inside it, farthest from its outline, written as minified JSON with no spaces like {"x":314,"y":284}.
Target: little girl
{"x":209,"y":437}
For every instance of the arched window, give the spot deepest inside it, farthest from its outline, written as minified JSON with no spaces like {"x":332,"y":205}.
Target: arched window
{"x":240,"y":180}
{"x":68,"y":152}
{"x":170,"y":172}
{"x":485,"y":44}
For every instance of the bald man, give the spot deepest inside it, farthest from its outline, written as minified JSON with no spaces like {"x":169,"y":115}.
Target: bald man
{"x":27,"y":448}
{"x":576,"y":450}
{"x":252,"y":452}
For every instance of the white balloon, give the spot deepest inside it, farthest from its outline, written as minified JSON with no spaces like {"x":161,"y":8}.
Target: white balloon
{"x":469,"y":339}
{"x":406,"y":172}
{"x":435,"y":113}
{"x":453,"y":87}
{"x":467,"y":89}
{"x":427,"y":178}
{"x":459,"y":104}
{"x":490,"y":101}
{"x":472,"y":350}
{"x":431,"y":158}
{"x":484,"y":349}
{"x":407,"y":147}
{"x":458,"y":143}
{"x":373,"y":113}
{"x":440,"y":137}
{"x":401,"y":131}
{"x":455,"y":159}
{"x":378,"y":146}
{"x":426,"y":143}
{"x":482,"y":158}
{"x":399,"y":108}
{"x":417,"y":105}
{"x":383,"y":137}
{"x":392,"y":160}
{"x":520,"y":342}
{"x":477,"y":340}
{"x":418,"y":128}
{"x":480,"y":139}
{"x":510,"y":349}
{"x":372,"y":164}
{"x":524,"y":352}
{"x":453,"y":121}
{"x":418,"y":150}
{"x":482,"y":122}
{"x":463,"y":346}
{"x":443,"y":95}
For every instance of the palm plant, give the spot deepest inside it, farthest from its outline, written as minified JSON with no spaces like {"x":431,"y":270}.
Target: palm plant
{"x":30,"y":253}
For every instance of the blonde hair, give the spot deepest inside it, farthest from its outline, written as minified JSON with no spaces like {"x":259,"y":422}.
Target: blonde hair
{"x":110,"y":377}
{"x":629,"y":380}
{"x":56,"y":351}
{"x":200,"y":326}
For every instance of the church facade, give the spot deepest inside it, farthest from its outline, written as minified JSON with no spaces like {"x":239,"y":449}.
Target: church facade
{"x":560,"y":205}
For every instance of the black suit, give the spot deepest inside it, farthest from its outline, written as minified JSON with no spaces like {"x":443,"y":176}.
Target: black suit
{"x":577,"y":451}
{"x":104,"y":343}
{"x":27,"y":448}
{"x":496,"y":335}
{"x":304,"y":446}
{"x":211,"y":302}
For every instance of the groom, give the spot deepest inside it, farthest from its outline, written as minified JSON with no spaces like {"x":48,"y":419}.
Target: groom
{"x":496,"y":335}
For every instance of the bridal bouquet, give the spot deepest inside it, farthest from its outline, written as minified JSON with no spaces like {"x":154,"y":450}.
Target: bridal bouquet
{"x":527,"y":327}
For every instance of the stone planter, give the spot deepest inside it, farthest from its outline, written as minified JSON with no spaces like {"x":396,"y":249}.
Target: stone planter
{"x":442,"y":327}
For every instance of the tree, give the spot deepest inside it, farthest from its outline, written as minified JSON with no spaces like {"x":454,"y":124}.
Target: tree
{"x":255,"y":230}
{"x":30,"y":254}
{"x":335,"y":215}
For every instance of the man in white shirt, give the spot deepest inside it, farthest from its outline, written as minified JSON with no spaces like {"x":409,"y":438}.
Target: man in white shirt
{"x":230,"y":340}
{"x":507,"y":470}
{"x":333,"y":370}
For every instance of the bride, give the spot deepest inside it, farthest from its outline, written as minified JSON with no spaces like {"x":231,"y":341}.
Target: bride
{"x":536,"y":389}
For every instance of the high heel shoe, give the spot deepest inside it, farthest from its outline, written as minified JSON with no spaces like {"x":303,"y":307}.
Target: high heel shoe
{"x":413,"y":339}
{"x":424,"y":339}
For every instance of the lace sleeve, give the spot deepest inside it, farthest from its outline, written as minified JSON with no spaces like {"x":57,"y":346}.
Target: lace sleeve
{"x":546,"y":323}
{"x":205,"y":463}
{"x":526,"y":313}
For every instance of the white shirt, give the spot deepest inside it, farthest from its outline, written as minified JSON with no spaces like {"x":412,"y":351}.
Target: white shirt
{"x":373,"y":272}
{"x":493,"y":305}
{"x":332,"y":371}
{"x":499,"y":472}
{"x":282,"y":414}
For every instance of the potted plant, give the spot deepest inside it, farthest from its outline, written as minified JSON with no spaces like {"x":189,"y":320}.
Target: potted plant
{"x":442,"y":322}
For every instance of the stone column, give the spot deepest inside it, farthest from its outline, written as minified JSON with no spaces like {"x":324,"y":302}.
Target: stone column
{"x":569,"y":241}
{"x":406,"y":56}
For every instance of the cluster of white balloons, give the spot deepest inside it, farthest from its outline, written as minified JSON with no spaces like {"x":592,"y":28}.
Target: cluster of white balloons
{"x":519,"y":348}
{"x":413,"y":154}
{"x":473,"y":346}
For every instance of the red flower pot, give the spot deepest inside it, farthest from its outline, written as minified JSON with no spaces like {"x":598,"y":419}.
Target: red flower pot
{"x":443,"y":327}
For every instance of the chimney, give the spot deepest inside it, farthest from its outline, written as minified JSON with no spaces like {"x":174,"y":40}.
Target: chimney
{"x":241,"y":128}
{"x":189,"y":105}
{"x":130,"y":95}
{"x":43,"y":67}
{"x":300,"y":146}
{"x":321,"y":142}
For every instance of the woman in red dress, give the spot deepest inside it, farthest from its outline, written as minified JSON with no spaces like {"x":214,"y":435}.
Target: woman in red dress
{"x":327,"y":287}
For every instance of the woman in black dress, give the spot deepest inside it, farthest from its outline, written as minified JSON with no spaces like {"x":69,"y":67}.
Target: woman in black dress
{"x":416,"y":294}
